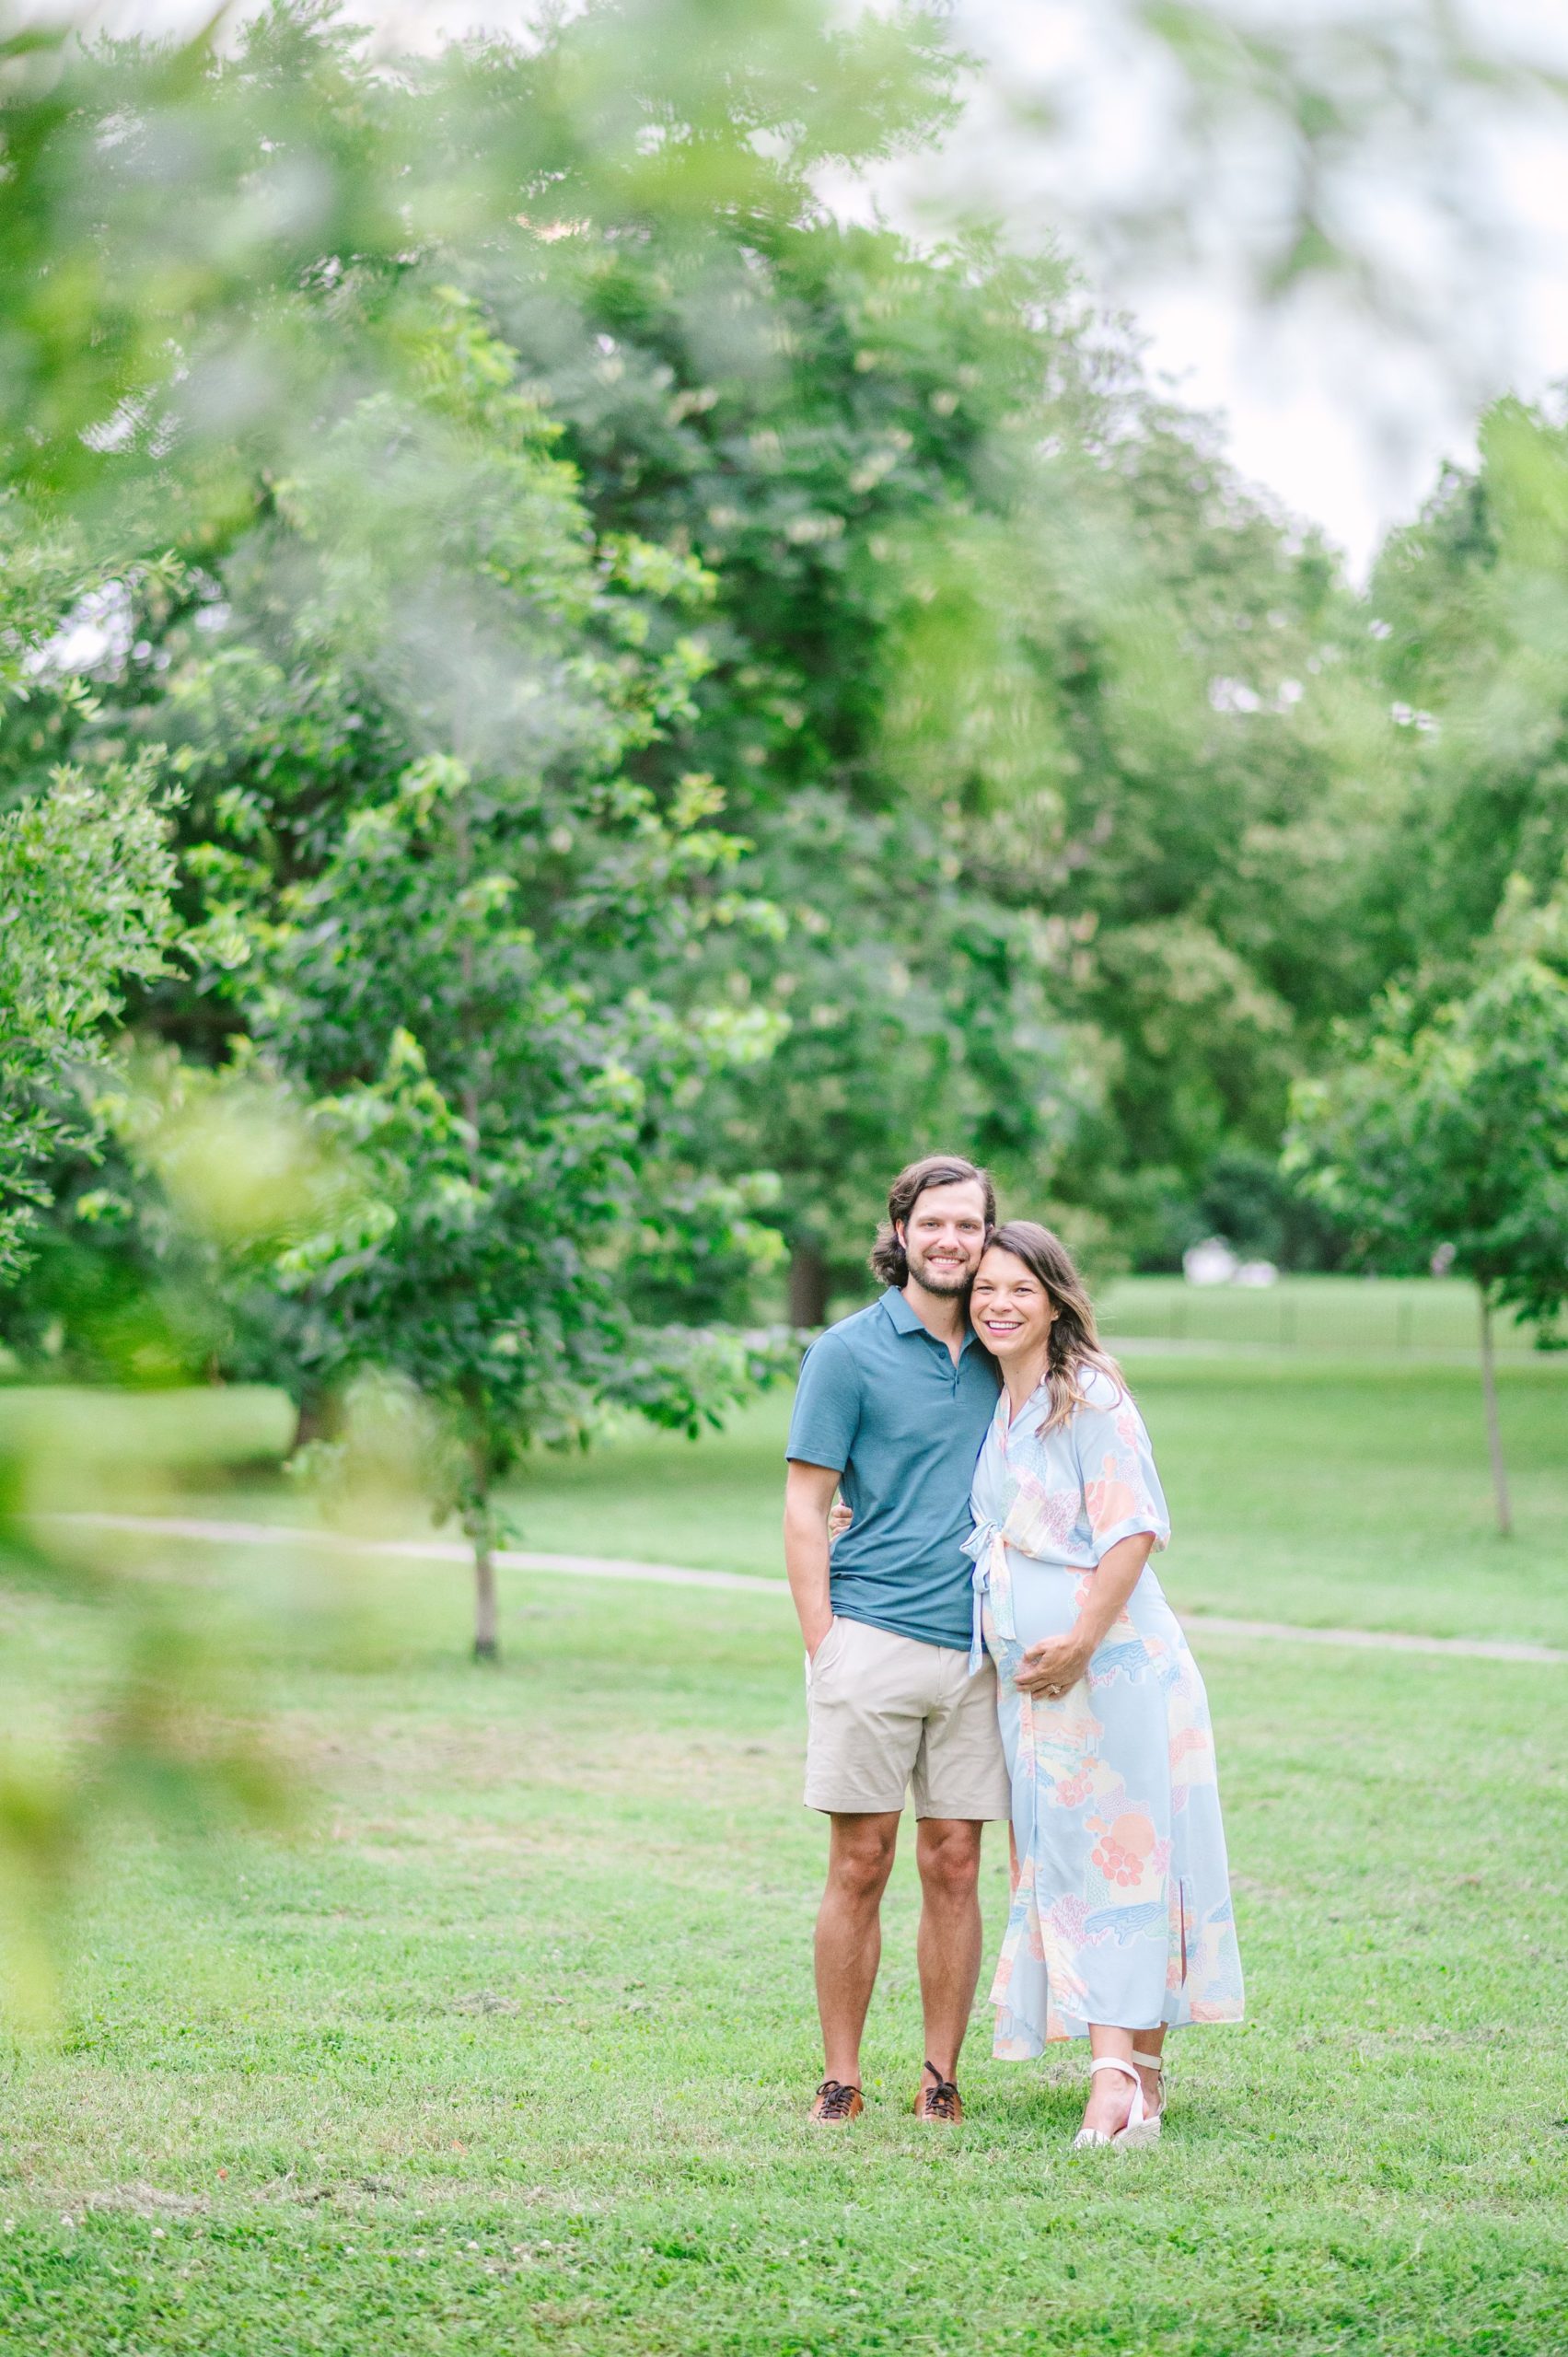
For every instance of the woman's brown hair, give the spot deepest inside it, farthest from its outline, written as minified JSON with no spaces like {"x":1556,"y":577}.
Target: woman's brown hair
{"x":1075,"y":1346}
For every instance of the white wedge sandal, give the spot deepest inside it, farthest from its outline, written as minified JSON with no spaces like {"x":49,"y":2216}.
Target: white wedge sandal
{"x":1141,"y":2127}
{"x":1155,"y":2062}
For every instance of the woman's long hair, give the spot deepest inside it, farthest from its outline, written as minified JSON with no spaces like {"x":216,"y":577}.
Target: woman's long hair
{"x":1075,"y":1346}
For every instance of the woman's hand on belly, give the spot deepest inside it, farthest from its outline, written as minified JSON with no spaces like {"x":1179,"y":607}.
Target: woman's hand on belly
{"x":1053,"y":1663}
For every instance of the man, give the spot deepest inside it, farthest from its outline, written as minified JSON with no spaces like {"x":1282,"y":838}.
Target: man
{"x":893,"y":1405}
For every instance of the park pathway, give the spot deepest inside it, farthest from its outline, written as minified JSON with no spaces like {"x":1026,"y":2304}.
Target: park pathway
{"x":611,"y":1567}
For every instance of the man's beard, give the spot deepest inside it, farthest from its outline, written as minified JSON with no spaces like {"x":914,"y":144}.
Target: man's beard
{"x":948,"y":1279}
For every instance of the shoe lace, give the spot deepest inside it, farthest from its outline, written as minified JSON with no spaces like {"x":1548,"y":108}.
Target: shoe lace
{"x":942,"y":2100}
{"x":836,"y":2098}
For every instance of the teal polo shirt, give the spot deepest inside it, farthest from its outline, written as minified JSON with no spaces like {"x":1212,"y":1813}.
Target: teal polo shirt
{"x":882,"y":1402}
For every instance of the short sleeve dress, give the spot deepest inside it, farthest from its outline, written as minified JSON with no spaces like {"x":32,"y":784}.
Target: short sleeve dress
{"x":1121,"y":1908}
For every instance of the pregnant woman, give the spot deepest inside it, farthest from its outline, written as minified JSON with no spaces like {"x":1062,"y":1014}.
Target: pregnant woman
{"x":1120,"y":1924}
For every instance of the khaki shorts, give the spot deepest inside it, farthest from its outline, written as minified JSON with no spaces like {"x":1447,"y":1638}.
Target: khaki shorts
{"x":886,"y":1712}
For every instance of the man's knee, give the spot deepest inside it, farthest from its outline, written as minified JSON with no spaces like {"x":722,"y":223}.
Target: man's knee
{"x":862,"y":1856}
{"x":949,"y":1857}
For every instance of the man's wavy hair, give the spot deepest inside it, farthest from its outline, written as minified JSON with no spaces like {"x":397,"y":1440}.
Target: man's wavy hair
{"x":889,"y":1259}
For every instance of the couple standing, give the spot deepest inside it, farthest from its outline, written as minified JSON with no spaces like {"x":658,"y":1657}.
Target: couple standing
{"x":980,"y":1624}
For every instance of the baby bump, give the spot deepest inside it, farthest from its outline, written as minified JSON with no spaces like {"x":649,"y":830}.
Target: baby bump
{"x":1047,"y":1598}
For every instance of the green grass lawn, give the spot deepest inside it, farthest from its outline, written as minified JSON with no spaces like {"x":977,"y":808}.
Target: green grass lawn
{"x":1347,"y":1316}
{"x":506,"y":2049}
{"x":1301,"y":1489}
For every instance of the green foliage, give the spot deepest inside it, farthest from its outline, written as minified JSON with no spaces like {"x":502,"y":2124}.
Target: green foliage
{"x":1471,"y":605}
{"x":513,"y":1138}
{"x":920,"y":1010}
{"x":1450,"y":1134}
{"x":975,"y":584}
{"x":467,"y":551}
{"x":1038,"y":726}
{"x":86,"y":875}
{"x":1453,"y":1131}
{"x":473,"y":963}
{"x":181,"y":218}
{"x":475,"y":973}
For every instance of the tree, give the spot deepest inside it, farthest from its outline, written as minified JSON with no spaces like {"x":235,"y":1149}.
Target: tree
{"x":921,"y":1012}
{"x":86,"y":875}
{"x":423,"y":896}
{"x":508,"y":1108}
{"x":276,"y":739}
{"x":980,"y":591}
{"x":975,"y":591}
{"x":1470,"y":608}
{"x":1450,"y":1133}
{"x":480,"y":987}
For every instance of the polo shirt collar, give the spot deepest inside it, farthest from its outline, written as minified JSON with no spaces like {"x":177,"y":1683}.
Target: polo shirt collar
{"x":903,"y":1318}
{"x":906,"y":1322}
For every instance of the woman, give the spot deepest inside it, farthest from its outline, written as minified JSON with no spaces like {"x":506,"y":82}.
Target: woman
{"x":1120,"y":1924}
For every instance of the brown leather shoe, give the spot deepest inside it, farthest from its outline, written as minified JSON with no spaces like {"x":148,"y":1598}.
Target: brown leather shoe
{"x":940,"y":2099}
{"x":835,"y":2102}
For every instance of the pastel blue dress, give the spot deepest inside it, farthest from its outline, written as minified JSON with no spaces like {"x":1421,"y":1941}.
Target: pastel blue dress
{"x":1121,"y":1905}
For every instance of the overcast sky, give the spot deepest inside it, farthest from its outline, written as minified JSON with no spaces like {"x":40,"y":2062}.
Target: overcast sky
{"x":1344,"y":403}
{"x":1345,"y":407}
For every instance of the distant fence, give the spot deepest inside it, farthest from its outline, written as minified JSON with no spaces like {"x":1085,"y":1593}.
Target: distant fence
{"x":1396,"y":1315}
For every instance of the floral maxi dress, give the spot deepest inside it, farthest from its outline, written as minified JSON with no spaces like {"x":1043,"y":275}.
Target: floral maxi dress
{"x":1121,"y":1910}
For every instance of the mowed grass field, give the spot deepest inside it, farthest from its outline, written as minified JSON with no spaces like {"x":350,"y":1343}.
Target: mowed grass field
{"x":505,"y":2046}
{"x":1302,"y":1489}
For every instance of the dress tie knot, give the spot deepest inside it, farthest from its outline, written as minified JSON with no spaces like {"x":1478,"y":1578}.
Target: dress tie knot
{"x":991,"y":1576}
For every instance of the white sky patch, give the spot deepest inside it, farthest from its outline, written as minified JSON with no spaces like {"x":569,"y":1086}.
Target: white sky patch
{"x":1343,"y":400}
{"x":95,"y":637}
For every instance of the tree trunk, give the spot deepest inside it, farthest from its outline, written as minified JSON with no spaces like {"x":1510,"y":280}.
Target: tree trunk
{"x":807,"y":1287}
{"x":480,"y":1525}
{"x":1493,"y":1430}
{"x":486,"y":1642}
{"x":320,"y":1417}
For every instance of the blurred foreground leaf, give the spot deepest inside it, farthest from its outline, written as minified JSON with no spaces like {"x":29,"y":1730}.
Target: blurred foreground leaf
{"x":167,"y":1724}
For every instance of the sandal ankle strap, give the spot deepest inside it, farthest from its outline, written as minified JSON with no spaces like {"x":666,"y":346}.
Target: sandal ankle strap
{"x":1113,"y":2062}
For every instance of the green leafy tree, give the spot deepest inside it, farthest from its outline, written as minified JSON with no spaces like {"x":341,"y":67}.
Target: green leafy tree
{"x":1470,"y":608}
{"x":86,"y":877}
{"x":421,"y":881}
{"x":480,"y":985}
{"x":508,"y":1108}
{"x":920,"y":1011}
{"x":974,"y":589}
{"x":277,"y":733}
{"x":984,"y":602}
{"x":1449,"y":1134}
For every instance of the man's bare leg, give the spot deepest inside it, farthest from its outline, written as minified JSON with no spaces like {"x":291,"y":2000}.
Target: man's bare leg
{"x":949,"y":1853}
{"x":849,"y":1935}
